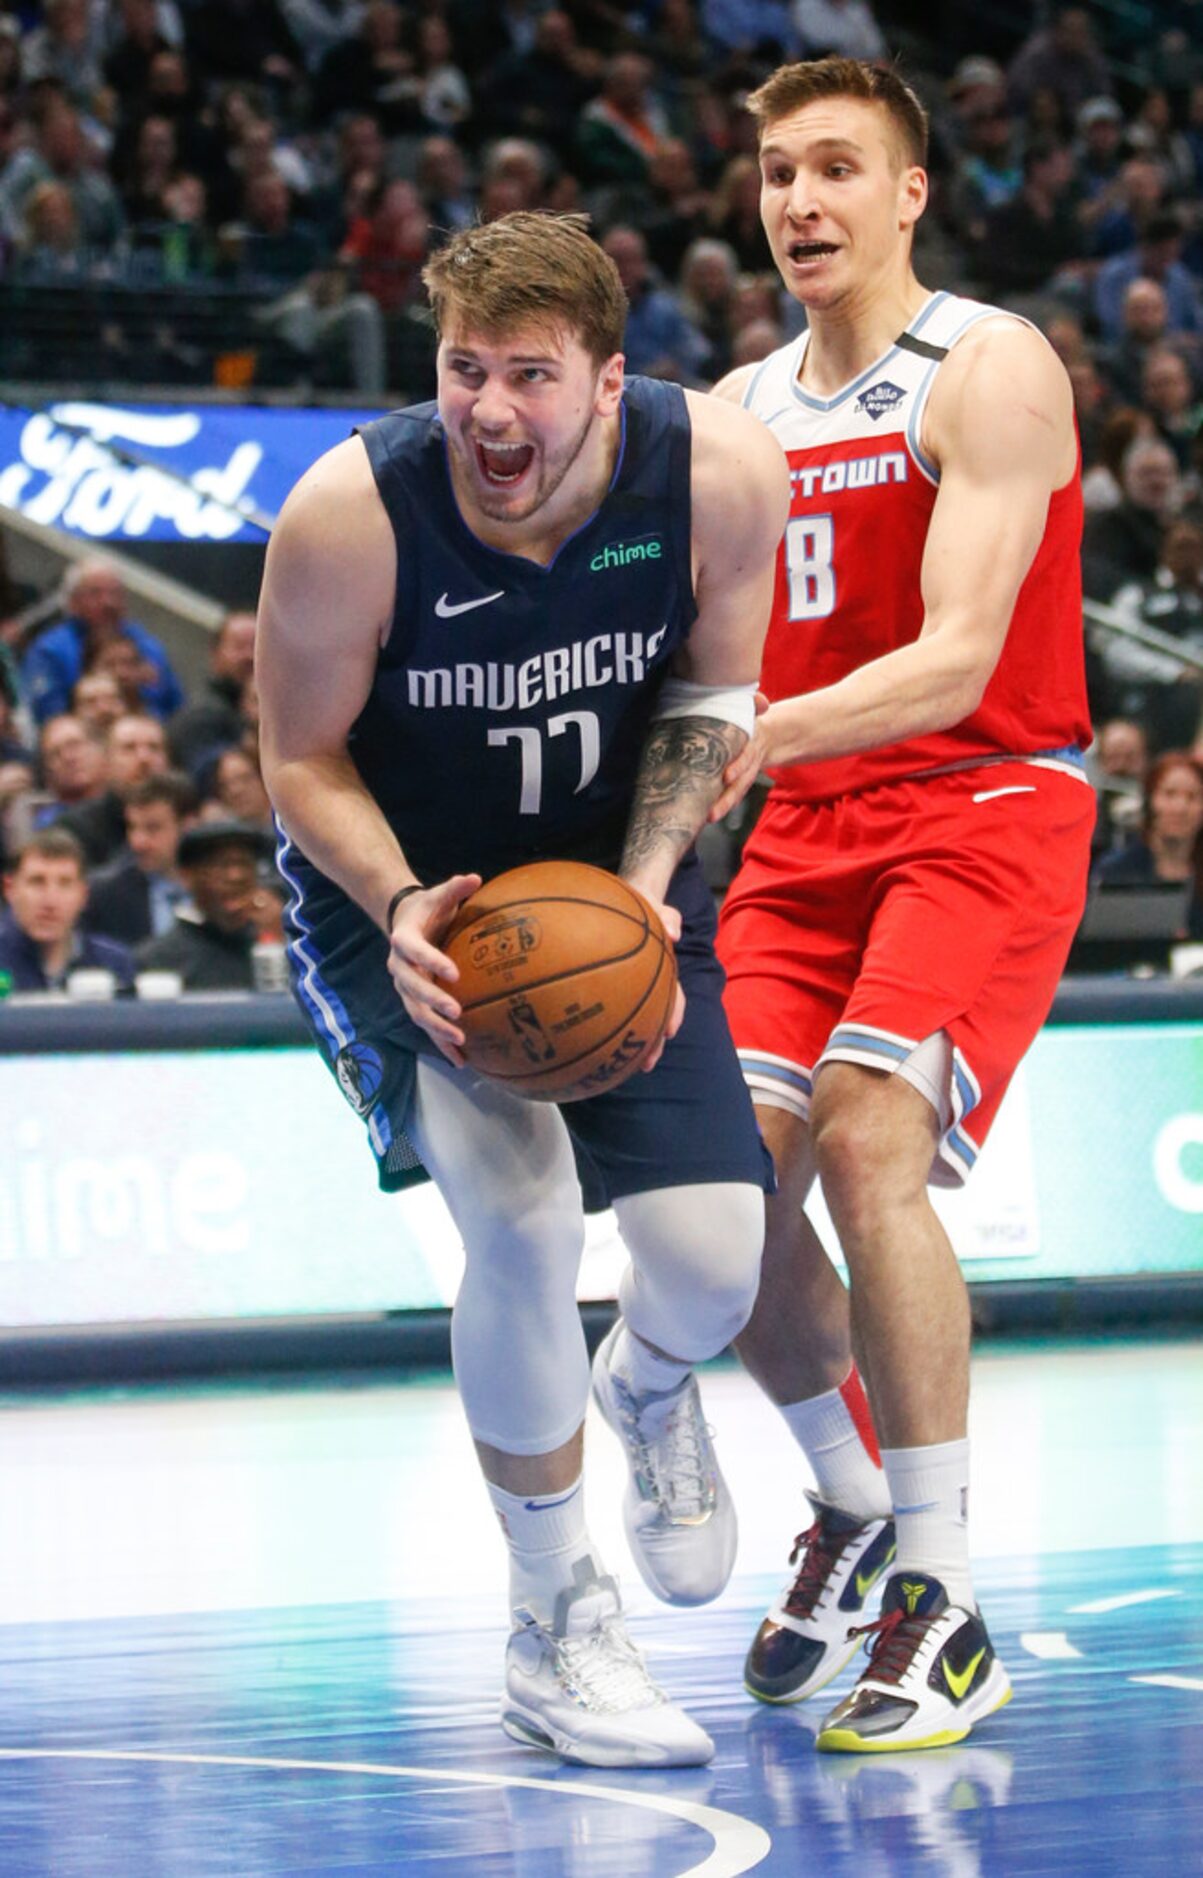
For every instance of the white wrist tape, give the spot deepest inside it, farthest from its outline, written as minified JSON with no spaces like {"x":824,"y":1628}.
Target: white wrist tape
{"x":733,"y":704}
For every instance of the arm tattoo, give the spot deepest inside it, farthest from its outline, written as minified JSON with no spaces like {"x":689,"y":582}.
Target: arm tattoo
{"x":680,"y":776}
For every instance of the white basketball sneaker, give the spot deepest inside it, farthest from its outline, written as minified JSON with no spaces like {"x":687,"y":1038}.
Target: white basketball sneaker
{"x":677,"y":1510}
{"x":581,"y":1688}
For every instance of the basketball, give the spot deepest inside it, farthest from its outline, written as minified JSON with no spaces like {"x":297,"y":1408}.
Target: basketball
{"x":566,"y":980}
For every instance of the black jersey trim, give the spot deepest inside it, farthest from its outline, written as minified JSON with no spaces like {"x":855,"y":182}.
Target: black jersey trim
{"x":907,"y":342}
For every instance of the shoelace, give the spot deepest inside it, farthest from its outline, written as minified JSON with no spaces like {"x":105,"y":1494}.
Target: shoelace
{"x":897,"y":1637}
{"x":604,"y":1671}
{"x":820,"y":1555}
{"x":674,"y":1455}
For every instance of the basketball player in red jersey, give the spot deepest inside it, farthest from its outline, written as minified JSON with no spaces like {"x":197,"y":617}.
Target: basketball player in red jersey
{"x":906,"y":903}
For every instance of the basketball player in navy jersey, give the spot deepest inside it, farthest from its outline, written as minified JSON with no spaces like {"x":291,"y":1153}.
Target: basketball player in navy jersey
{"x":907,"y":901}
{"x":527,"y":623}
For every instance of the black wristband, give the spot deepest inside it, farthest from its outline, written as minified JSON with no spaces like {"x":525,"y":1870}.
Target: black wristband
{"x":402,"y":893}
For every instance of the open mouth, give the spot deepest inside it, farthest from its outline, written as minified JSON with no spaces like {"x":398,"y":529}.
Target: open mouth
{"x":504,"y":463}
{"x":800,"y":252}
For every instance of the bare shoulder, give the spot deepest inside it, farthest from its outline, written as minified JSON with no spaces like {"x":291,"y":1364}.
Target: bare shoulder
{"x":740,"y":475}
{"x":332,"y":552}
{"x":733,"y":388}
{"x":1002,"y":381}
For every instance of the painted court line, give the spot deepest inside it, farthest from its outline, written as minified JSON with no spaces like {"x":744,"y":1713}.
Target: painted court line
{"x":1098,"y":1606}
{"x":1052,"y":1646}
{"x":1171,"y":1682}
{"x":739,"y":1844}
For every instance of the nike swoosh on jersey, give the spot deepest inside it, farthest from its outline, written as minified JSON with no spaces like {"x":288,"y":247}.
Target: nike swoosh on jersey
{"x":445,"y":610}
{"x":959,"y":1683}
{"x":1013,"y":789}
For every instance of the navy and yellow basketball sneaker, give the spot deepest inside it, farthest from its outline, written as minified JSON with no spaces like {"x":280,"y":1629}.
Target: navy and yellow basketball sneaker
{"x":807,"y":1637}
{"x":932,"y":1674}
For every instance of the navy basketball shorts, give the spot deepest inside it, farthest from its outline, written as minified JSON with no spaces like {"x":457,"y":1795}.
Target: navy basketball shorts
{"x":689,"y":1120}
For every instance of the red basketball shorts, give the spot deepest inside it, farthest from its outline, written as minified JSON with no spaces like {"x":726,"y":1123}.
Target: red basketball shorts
{"x":860,"y":928}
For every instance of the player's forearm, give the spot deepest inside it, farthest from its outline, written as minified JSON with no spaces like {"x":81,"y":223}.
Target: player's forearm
{"x":328,"y":812}
{"x":908,"y":693}
{"x":680,"y":778}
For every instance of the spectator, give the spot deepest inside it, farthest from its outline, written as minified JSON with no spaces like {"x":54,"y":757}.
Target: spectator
{"x":1091,"y":401}
{"x":987,"y":173}
{"x":1032,"y":237}
{"x":66,"y":51}
{"x":137,"y":895}
{"x":443,"y":93}
{"x":1152,"y":686}
{"x":1169,"y":845}
{"x":335,"y":334}
{"x":41,"y":942}
{"x":735,"y":217}
{"x":361,"y":170}
{"x":1152,"y":131}
{"x":709,"y":274}
{"x":211,"y":940}
{"x":387,"y":244}
{"x":1156,"y":256}
{"x":1098,"y":152}
{"x":13,"y":748}
{"x":1168,"y":394}
{"x":518,"y":162}
{"x":94,"y":591}
{"x":1143,"y":329}
{"x":755,"y":340}
{"x":371,"y":70}
{"x":136,"y":748}
{"x":245,"y":40}
{"x":618,"y":132}
{"x":215,"y":720}
{"x":97,"y":701}
{"x":765,"y":27}
{"x":238,"y":791}
{"x":539,"y":92}
{"x":844,"y":28}
{"x":50,"y":250}
{"x":442,"y":178}
{"x":1117,"y":218}
{"x":1063,"y":58}
{"x":154,"y":168}
{"x":1118,"y":763}
{"x":1124,"y":543}
{"x":127,"y":65}
{"x":1101,"y":485}
{"x":659,"y":342}
{"x":73,"y":765}
{"x":59,"y":153}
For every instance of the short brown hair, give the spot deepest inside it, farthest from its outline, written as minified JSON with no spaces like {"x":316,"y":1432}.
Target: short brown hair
{"x":172,"y":787}
{"x":50,"y":844}
{"x":529,"y":268}
{"x":791,"y":87}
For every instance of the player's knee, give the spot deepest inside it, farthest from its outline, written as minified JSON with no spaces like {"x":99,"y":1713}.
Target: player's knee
{"x":696,"y":1264}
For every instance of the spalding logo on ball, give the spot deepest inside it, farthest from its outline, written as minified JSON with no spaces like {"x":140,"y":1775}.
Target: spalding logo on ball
{"x":566,"y":980}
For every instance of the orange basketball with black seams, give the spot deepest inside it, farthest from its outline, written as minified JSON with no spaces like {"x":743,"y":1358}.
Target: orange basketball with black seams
{"x":566,"y":980}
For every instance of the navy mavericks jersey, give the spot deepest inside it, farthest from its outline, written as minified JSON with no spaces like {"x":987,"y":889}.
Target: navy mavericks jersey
{"x":511,"y":701}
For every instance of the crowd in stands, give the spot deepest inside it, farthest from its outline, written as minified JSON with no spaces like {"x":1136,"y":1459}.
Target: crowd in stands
{"x":303,"y":157}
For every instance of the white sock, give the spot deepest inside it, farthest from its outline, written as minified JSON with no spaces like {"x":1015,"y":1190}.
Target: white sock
{"x":930,"y":1490}
{"x":546,"y":1536}
{"x":847,"y":1472}
{"x":644,"y":1369}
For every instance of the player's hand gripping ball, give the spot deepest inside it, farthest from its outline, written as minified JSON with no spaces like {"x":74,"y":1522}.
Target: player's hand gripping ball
{"x":566,"y":980}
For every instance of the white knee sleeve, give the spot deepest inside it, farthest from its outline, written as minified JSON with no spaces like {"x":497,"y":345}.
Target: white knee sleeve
{"x":506,"y":1170}
{"x":695,"y":1265}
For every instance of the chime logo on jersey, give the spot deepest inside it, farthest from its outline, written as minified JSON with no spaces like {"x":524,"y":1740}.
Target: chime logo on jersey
{"x":622,"y":553}
{"x":879,"y":399}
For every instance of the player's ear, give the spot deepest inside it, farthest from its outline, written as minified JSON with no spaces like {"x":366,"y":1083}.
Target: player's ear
{"x":912,"y":195}
{"x":609,"y":385}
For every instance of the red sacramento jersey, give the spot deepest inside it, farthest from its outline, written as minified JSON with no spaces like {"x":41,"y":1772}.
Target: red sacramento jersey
{"x":848,"y":589}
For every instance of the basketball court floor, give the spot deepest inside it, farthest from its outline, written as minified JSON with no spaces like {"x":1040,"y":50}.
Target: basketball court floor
{"x":257,"y":1630}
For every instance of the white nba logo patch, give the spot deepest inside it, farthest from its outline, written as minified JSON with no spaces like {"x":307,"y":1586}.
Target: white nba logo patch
{"x":879,"y":399}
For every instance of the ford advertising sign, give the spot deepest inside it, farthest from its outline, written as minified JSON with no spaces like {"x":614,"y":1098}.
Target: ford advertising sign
{"x":158,"y":472}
